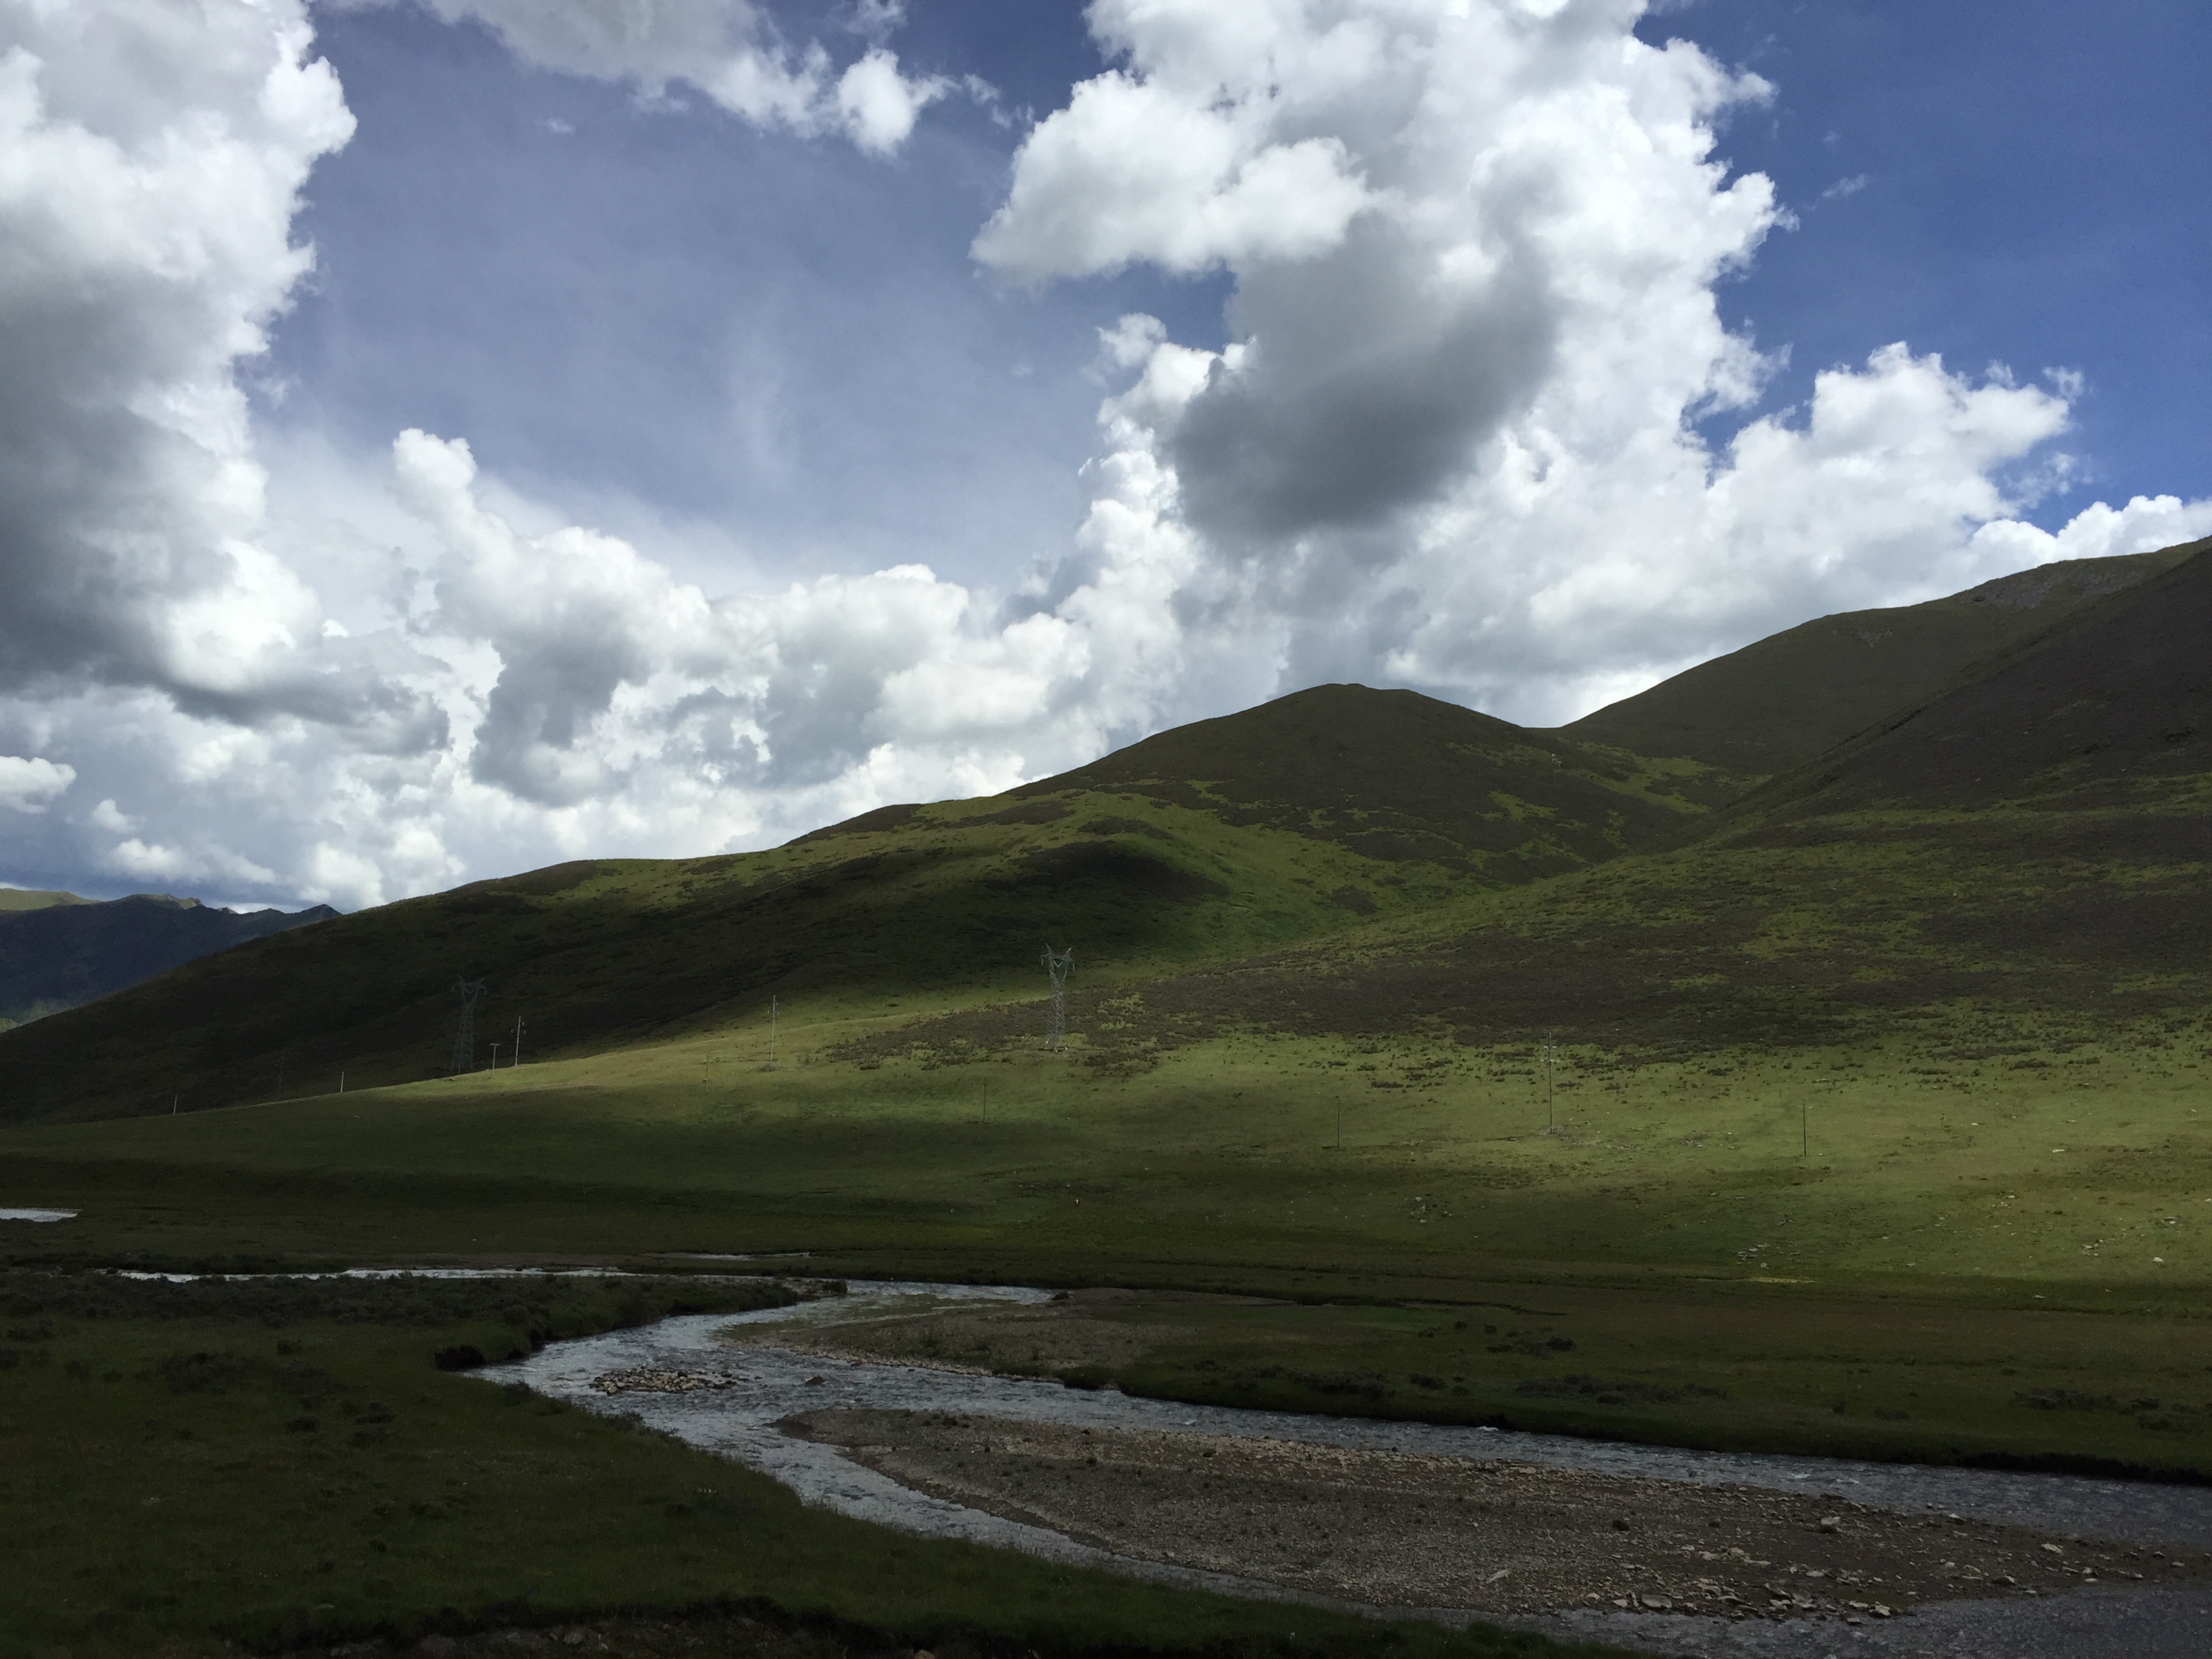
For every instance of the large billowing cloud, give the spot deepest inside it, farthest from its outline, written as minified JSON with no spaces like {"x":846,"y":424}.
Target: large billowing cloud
{"x":1455,"y":443}
{"x":150,"y":165}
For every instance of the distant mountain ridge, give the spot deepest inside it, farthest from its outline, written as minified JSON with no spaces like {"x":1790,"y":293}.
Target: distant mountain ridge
{"x":68,"y":951}
{"x":32,"y":898}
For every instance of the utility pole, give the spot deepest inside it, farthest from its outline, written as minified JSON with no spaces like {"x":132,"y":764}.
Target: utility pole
{"x":1551,"y":1053}
{"x":341,"y":1082}
{"x":517,"y":1060}
{"x":771,"y":1031}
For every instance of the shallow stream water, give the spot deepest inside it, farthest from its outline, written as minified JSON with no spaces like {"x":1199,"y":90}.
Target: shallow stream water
{"x":756,"y":1386}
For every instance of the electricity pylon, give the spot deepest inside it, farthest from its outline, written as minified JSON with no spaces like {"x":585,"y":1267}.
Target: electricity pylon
{"x":1056,"y":964}
{"x":465,"y":1039}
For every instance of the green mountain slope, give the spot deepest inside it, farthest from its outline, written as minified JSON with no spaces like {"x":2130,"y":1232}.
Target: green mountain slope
{"x":1294,"y":819}
{"x":1776,"y":704}
{"x":60,"y":954}
{"x":2111,"y":711}
{"x":955,"y":902}
{"x":2030,"y":850}
{"x":1343,"y":860}
{"x":1397,"y":776}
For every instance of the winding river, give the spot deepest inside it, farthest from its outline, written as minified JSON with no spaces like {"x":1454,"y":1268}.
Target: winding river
{"x":679,"y":1376}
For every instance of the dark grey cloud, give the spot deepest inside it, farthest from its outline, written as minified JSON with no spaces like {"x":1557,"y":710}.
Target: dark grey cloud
{"x":1362,"y":391}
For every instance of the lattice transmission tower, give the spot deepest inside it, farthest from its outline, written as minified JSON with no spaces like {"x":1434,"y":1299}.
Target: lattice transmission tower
{"x":1056,"y":964}
{"x":1550,"y":1059}
{"x":465,"y":1038}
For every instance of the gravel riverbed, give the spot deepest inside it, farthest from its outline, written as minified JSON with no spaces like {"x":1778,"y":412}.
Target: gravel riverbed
{"x":1730,"y":1556}
{"x":1399,"y":1529}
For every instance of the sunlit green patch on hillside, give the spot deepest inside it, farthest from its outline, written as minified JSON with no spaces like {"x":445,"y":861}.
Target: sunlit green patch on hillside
{"x":1957,"y":1146}
{"x":1949,"y":1149}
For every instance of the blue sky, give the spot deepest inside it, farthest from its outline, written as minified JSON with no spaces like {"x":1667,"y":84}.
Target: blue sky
{"x":783,"y":337}
{"x":680,"y":437}
{"x":2028,"y":185}
{"x":2038,"y":186}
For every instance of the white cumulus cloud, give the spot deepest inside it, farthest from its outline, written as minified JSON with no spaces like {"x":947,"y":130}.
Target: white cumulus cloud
{"x":26,"y":785}
{"x":1129,"y":171}
{"x":1457,"y":441}
{"x":730,"y":50}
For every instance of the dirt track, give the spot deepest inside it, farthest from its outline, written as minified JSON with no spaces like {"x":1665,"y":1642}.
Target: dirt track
{"x":1394,"y":1529}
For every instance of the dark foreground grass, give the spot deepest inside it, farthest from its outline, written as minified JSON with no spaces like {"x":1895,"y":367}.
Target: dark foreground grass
{"x":187,"y":1469}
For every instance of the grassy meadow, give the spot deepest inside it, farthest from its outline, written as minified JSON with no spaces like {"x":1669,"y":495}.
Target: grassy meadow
{"x":1926,"y":1247}
{"x":192,"y":1469}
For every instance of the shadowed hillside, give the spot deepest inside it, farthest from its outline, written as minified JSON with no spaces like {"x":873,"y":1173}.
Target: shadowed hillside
{"x":2111,"y":711}
{"x":68,"y":951}
{"x":1297,"y":818}
{"x":1776,"y":704}
{"x":953,"y":901}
